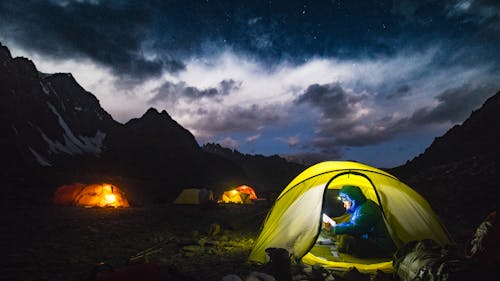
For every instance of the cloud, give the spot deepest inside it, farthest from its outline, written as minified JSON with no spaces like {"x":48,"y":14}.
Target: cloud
{"x":235,"y":119}
{"x":110,"y":33}
{"x":254,"y":20}
{"x":292,"y":141}
{"x":406,"y":8}
{"x":349,"y":119}
{"x":453,"y":105}
{"x":332,"y":99}
{"x":227,"y":86}
{"x":480,"y":11}
{"x":229,"y":143}
{"x":344,"y":118}
{"x":255,"y":71}
{"x":253,"y":138}
{"x":427,"y":12}
{"x":400,"y":92}
{"x":173,"y":92}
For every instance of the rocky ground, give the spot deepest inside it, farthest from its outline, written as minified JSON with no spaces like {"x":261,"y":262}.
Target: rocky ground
{"x":192,"y":243}
{"x":66,"y":243}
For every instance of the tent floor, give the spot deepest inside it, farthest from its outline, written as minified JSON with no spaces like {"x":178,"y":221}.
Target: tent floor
{"x":326,"y":249}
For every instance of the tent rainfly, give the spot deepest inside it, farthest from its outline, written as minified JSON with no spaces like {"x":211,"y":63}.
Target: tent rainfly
{"x":294,"y":222}
{"x":248,"y":190}
{"x":102,"y":195}
{"x":235,"y":196}
{"x":194,"y":196}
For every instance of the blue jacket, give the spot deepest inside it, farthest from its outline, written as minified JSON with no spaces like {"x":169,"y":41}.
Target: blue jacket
{"x":366,"y":219}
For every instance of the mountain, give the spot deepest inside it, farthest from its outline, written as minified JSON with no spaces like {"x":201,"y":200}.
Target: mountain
{"x":478,"y":136}
{"x":157,"y":149}
{"x":460,"y":171}
{"x":45,"y":118}
{"x":53,"y":132}
{"x":269,"y":173}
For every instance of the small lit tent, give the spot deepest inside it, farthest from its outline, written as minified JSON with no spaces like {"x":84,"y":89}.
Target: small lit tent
{"x":235,"y":196}
{"x":294,"y":223}
{"x":248,"y":190}
{"x":102,"y":195}
{"x":194,"y":196}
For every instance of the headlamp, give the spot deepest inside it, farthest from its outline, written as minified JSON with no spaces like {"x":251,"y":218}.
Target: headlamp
{"x":344,"y":198}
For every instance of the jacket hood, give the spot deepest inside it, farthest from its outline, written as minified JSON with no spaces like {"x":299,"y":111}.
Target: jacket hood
{"x":354,"y":194}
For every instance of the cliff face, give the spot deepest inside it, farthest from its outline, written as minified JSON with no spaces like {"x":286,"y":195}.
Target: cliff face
{"x":46,"y":119}
{"x":478,"y":136}
{"x":459,"y":173}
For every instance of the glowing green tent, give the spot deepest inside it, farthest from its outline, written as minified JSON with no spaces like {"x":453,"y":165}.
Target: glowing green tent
{"x":294,"y":223}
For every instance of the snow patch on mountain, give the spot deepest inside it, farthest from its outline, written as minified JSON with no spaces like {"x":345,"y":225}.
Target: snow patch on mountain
{"x":44,"y":88}
{"x":94,"y":143}
{"x":73,"y":144}
{"x":40,"y":159}
{"x":56,"y":147}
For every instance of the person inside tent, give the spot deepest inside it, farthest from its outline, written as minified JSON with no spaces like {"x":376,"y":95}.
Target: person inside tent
{"x":365,"y":234}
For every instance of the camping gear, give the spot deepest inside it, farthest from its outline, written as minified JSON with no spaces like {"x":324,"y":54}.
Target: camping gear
{"x":426,"y":260}
{"x":101,"y":195}
{"x":484,"y":247}
{"x":294,"y":222}
{"x":134,"y":272}
{"x":194,"y":196}
{"x":279,"y":264}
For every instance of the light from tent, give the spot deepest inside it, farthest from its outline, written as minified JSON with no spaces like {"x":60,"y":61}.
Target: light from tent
{"x":247,"y":190}
{"x":102,"y":195}
{"x":110,"y":198}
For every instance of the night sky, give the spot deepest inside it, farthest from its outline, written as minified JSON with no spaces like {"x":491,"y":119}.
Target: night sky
{"x":371,"y":81}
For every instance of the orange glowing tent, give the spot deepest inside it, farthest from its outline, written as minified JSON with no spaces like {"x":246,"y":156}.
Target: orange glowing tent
{"x":102,"y":195}
{"x":248,"y":190}
{"x":234,"y":196}
{"x":241,"y":195}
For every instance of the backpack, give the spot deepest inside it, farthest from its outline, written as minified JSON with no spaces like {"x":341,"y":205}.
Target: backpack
{"x":425,"y":260}
{"x":484,"y":247}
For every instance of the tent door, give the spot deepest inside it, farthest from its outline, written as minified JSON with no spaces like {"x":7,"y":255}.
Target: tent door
{"x":325,"y":246}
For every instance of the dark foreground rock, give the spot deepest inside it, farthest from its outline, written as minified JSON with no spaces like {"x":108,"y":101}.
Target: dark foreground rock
{"x":67,"y":243}
{"x":185,"y":242}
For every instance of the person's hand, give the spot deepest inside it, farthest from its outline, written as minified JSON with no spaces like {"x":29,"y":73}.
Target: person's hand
{"x":327,"y":226}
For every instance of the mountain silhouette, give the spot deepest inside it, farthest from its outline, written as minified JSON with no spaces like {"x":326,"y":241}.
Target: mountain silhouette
{"x":53,"y":132}
{"x":459,"y":172}
{"x":271,"y":173}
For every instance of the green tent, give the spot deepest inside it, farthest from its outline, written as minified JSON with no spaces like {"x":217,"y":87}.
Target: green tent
{"x":194,"y":196}
{"x":294,"y":223}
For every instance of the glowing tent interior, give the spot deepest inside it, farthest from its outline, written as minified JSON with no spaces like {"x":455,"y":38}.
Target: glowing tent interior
{"x":248,"y":190}
{"x":101,"y":195}
{"x":294,"y":222}
{"x":243,"y":194}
